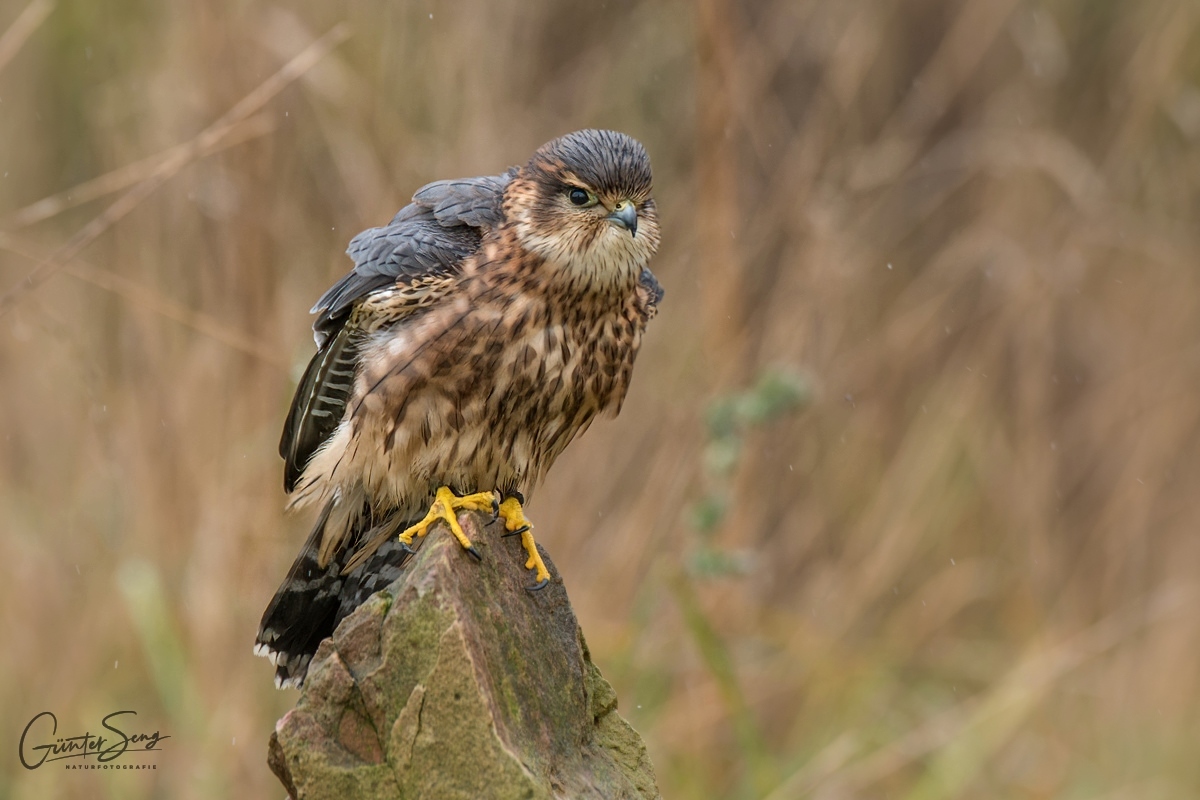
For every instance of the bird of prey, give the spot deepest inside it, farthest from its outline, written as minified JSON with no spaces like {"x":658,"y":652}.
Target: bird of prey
{"x":478,"y":333}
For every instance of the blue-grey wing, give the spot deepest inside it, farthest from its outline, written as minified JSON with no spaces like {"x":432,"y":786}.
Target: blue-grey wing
{"x":429,"y":238}
{"x":652,"y":292}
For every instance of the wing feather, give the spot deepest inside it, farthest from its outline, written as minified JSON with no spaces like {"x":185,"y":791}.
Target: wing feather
{"x":466,"y":202}
{"x":319,"y":403}
{"x":653,"y":292}
{"x":429,"y":238}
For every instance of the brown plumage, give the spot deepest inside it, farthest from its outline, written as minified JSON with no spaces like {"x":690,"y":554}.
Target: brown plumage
{"x":478,"y":334}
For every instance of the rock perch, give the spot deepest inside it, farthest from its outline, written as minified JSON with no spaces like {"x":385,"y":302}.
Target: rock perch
{"x":459,"y":683}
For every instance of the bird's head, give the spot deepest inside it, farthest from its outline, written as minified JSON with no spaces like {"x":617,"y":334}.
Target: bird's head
{"x":583,"y":204}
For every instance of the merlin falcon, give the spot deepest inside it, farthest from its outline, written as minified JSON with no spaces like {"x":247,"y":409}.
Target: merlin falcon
{"x":478,"y":333}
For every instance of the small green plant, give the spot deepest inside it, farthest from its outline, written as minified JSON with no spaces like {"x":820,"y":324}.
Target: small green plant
{"x":777,"y":392}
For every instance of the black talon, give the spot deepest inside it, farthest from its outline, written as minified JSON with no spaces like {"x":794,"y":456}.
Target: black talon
{"x":517,"y":532}
{"x":520,"y":497}
{"x":475,"y":553}
{"x":537,"y":587}
{"x":405,"y":548}
{"x":495,"y":508}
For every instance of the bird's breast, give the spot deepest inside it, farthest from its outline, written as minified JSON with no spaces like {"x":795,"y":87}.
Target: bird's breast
{"x":486,"y":391}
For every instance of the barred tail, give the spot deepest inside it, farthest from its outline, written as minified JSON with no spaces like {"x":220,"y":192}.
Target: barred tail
{"x":312,"y":599}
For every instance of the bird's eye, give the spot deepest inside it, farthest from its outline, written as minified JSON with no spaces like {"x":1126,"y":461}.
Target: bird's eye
{"x":581,"y":197}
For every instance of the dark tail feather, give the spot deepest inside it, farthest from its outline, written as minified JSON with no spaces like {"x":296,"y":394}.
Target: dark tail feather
{"x":302,"y":612}
{"x":312,"y":600}
{"x":375,"y":574}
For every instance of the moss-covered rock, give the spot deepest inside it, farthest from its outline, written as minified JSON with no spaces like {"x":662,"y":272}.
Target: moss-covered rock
{"x":458,"y":683}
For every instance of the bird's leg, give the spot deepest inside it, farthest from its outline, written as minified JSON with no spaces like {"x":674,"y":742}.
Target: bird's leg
{"x":446,"y":506}
{"x":516,"y":523}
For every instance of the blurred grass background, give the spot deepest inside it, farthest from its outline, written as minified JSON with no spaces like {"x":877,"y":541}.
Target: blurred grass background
{"x":903,"y":502}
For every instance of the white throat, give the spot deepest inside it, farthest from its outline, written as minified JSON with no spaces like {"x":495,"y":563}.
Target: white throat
{"x":614,"y":259}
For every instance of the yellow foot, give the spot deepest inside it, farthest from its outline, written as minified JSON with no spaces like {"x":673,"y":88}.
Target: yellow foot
{"x":445,"y":508}
{"x":516,"y":523}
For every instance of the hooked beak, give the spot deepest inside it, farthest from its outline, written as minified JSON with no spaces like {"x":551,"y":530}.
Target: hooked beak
{"x":625,"y":215}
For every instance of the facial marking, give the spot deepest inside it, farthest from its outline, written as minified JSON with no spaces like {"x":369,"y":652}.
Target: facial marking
{"x":583,"y":240}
